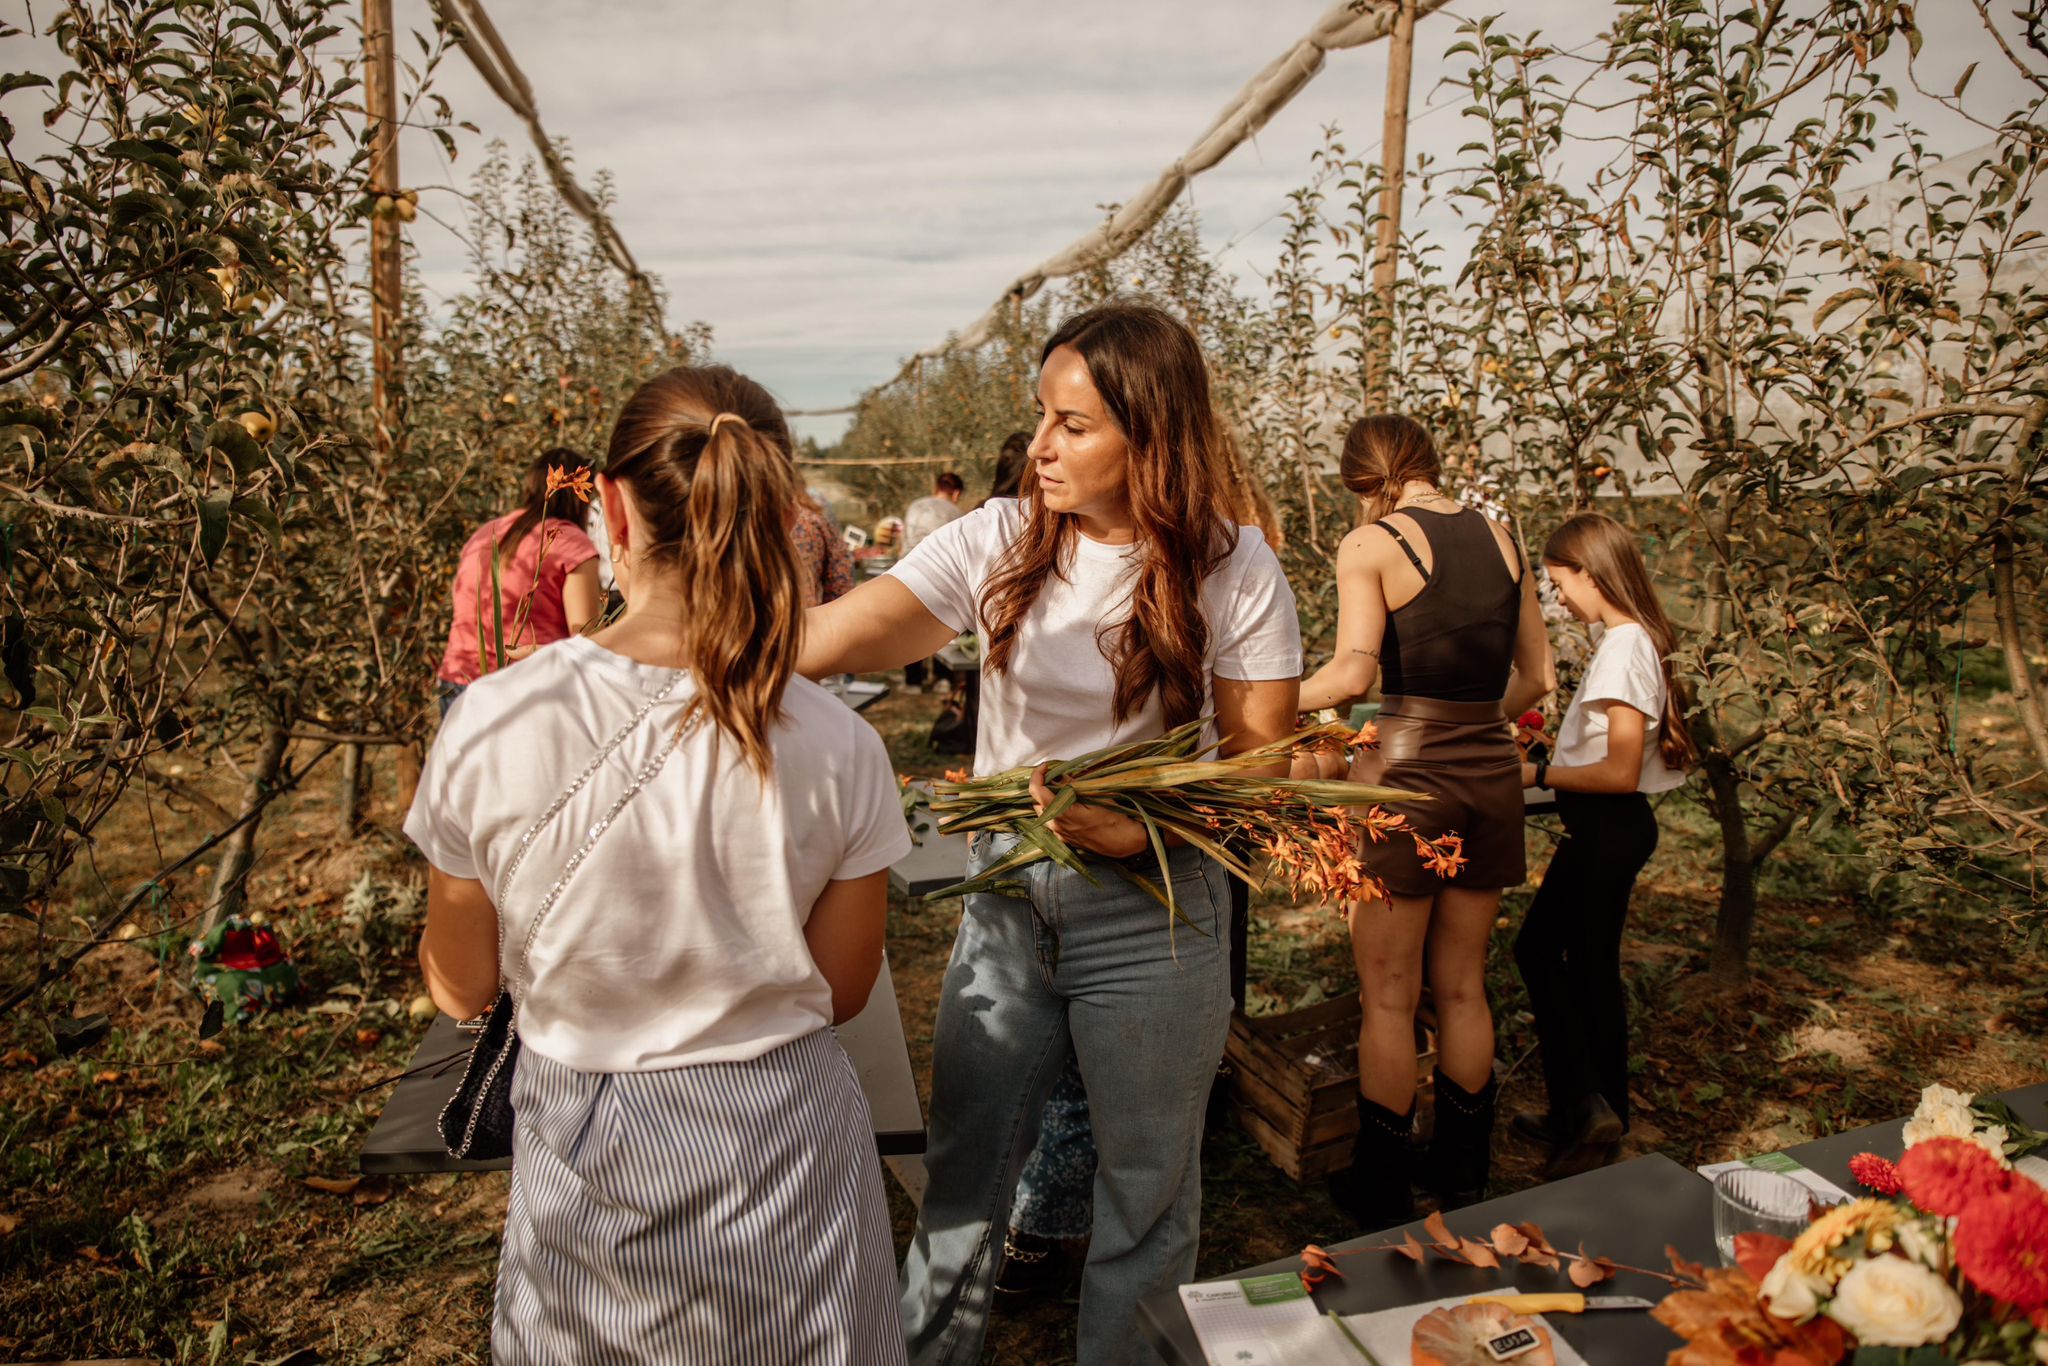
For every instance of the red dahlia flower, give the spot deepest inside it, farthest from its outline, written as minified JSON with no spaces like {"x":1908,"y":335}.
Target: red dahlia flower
{"x":2001,"y":1245}
{"x":1946,"y":1175}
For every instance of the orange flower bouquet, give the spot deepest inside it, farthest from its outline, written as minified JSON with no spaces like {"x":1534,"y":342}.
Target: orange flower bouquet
{"x":1309,"y":830}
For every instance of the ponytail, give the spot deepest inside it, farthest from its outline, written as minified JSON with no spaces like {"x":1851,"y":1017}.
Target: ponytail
{"x":1606,"y":552}
{"x":706,"y":454}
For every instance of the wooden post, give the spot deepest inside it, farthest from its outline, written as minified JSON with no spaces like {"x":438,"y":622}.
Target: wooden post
{"x":380,"y":103}
{"x":1393,"y":167}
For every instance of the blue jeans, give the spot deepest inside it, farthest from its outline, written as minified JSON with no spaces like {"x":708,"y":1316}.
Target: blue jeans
{"x":1089,"y":969}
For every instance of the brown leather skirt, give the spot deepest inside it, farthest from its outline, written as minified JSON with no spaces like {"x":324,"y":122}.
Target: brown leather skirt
{"x":1464,"y":756}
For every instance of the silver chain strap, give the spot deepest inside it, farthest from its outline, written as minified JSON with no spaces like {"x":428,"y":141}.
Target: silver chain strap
{"x":640,"y":779}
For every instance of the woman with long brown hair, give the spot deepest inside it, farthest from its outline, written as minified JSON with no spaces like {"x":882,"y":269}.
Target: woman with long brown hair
{"x":674,"y":855}
{"x":1436,"y":603}
{"x":1113,"y":601}
{"x":1623,"y":739}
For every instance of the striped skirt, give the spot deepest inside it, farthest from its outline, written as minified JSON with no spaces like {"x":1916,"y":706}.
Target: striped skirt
{"x":729,"y":1212}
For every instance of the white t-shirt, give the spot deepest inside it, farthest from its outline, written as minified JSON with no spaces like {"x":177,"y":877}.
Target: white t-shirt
{"x":1055,"y":701}
{"x":681,"y":937}
{"x":1625,"y":668}
{"x":925,"y":516}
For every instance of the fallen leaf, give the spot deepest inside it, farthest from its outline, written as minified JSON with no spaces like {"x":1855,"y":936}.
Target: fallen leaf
{"x":107,"y":1078}
{"x":334,"y":1185}
{"x":376,"y":1190}
{"x":18,"y":1057}
{"x":9,"y":1223}
{"x":368,"y":1038}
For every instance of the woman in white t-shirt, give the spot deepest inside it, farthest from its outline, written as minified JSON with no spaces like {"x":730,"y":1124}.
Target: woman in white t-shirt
{"x":1624,"y":738}
{"x":674,"y":854}
{"x":1113,"y":600}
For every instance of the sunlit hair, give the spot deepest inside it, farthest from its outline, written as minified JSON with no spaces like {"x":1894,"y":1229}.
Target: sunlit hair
{"x":1606,"y":552}
{"x":1382,"y":453}
{"x":1011,"y":463}
{"x":705,"y":453}
{"x":535,"y":504}
{"x":1148,"y":368}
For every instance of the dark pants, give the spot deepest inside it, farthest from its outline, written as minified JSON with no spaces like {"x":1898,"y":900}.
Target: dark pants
{"x":1569,"y":950}
{"x":914,"y":671}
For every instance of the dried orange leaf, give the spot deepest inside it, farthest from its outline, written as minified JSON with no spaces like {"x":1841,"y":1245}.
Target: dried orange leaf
{"x":334,"y":1185}
{"x":374,"y":1191}
{"x":1440,"y":1232}
{"x":1409,"y":1248}
{"x":1589,"y":1271}
{"x":1477,"y":1253}
{"x":1509,"y":1241}
{"x":1757,"y":1253}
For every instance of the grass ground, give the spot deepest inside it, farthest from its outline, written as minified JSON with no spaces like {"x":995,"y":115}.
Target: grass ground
{"x":155,"y":1197}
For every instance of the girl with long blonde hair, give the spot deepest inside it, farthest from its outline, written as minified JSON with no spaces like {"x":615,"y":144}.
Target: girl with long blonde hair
{"x":673,"y":853}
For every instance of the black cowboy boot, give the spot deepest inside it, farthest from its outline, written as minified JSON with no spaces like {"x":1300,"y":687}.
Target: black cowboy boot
{"x":1461,"y":1149}
{"x":1374,"y":1191}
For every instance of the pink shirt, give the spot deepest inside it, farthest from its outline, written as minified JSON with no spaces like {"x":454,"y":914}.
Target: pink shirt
{"x":567,"y":547}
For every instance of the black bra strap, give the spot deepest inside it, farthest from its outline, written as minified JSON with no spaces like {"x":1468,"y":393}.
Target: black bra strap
{"x":1406,"y":548}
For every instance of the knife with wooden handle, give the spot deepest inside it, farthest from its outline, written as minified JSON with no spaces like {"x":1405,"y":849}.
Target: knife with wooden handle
{"x":1561,"y":1304}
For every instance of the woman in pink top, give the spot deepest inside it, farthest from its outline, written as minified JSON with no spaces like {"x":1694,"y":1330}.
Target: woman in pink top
{"x":564,"y":584}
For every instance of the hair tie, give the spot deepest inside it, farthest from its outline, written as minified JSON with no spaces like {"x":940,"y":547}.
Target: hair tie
{"x":724,"y":418}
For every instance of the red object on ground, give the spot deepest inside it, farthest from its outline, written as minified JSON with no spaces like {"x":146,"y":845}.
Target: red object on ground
{"x":250,"y":950}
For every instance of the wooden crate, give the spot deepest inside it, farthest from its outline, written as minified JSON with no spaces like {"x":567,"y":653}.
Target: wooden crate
{"x":1292,"y":1079}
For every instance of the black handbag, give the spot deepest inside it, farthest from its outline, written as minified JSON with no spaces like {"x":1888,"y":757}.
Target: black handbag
{"x":476,"y":1123}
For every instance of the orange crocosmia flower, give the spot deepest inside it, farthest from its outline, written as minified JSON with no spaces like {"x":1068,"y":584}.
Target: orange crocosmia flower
{"x":577,"y":483}
{"x":957,"y":775}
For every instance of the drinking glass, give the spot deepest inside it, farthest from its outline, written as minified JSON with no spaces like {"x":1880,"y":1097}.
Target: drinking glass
{"x":1750,"y":1201}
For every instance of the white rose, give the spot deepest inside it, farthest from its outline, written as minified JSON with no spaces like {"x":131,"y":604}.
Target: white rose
{"x":1939,"y":1097}
{"x":1791,"y":1295}
{"x":1942,"y":1113}
{"x":1891,"y":1302}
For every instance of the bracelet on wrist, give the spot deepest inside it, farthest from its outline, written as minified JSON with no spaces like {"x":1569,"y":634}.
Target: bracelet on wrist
{"x":1543,"y":773}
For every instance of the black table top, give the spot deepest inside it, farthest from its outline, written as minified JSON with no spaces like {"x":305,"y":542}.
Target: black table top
{"x":1830,"y":1156}
{"x":1627,"y":1213}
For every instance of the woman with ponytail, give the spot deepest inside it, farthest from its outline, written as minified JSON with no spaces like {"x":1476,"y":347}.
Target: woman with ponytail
{"x":1114,"y":601}
{"x":673,"y":854}
{"x":1624,"y":737}
{"x":1435,"y":603}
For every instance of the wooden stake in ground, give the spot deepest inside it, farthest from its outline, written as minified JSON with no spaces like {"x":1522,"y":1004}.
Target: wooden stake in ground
{"x":1393,"y":164}
{"x":380,"y":103}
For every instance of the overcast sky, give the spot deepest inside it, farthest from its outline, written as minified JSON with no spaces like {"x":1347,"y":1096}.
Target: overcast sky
{"x":833,"y":186}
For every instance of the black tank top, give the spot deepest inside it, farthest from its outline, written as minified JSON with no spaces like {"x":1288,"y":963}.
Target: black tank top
{"x":1455,"y":640}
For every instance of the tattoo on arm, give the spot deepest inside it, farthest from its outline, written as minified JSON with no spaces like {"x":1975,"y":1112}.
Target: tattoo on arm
{"x":1374,"y":653}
